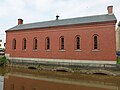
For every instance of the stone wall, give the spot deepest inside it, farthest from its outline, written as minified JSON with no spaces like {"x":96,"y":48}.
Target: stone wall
{"x":85,"y":68}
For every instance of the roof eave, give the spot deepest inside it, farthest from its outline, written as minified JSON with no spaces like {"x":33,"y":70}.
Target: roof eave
{"x":10,"y":30}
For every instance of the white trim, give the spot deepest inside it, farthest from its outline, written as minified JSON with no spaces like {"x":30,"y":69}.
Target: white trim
{"x":78,"y":50}
{"x":62,"y":50}
{"x":96,"y":50}
{"x":64,"y":60}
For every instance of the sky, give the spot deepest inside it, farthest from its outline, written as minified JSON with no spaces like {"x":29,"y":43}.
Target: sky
{"x":44,"y":10}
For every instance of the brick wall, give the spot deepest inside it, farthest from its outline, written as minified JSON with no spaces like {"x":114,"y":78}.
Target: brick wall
{"x":105,"y":31}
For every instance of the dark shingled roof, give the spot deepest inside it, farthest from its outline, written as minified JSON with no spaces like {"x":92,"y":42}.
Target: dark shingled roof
{"x":71,"y":21}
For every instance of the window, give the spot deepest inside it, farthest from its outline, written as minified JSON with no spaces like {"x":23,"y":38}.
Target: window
{"x":14,"y":44}
{"x":62,"y":43}
{"x":24,"y":44}
{"x":77,"y":42}
{"x":4,"y":44}
{"x":0,"y":40}
{"x":12,"y":87}
{"x":35,"y":43}
{"x":47,"y":43}
{"x":0,"y":45}
{"x":95,"y":42}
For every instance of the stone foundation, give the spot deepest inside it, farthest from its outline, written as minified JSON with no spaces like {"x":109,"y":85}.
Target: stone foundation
{"x":66,"y":65}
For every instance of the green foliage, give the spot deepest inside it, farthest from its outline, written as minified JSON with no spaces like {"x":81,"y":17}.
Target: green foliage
{"x":118,"y":60}
{"x":3,"y":61}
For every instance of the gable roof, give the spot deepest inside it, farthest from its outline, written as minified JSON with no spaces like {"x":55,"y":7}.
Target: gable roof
{"x":71,"y":21}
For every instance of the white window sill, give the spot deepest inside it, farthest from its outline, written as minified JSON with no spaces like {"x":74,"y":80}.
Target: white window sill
{"x":35,"y":50}
{"x":62,"y":50}
{"x":48,"y":50}
{"x":24,"y":50}
{"x":95,"y":50}
{"x":78,"y":50}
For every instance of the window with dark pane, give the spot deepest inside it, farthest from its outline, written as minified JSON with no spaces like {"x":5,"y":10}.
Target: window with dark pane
{"x":35,"y":43}
{"x":14,"y":44}
{"x":95,"y":42}
{"x":47,"y":43}
{"x":77,"y":42}
{"x":24,"y":44}
{"x":62,"y":43}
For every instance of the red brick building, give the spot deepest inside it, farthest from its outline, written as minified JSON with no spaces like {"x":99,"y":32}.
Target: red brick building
{"x":88,"y":39}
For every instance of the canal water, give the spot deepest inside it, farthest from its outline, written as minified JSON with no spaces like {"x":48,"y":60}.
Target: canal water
{"x":27,"y":79}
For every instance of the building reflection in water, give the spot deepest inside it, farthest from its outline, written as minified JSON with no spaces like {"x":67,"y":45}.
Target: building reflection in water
{"x":26,"y":81}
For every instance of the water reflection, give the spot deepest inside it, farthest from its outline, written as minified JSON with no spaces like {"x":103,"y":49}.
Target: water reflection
{"x":1,"y":82}
{"x":25,"y":79}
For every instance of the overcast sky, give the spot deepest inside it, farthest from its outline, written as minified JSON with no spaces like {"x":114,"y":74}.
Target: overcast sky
{"x":43,"y":10}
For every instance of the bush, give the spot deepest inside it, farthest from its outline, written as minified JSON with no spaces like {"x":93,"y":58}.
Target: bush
{"x":3,"y":61}
{"x":118,"y":60}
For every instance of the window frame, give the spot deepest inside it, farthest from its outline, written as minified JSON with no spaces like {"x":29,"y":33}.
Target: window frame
{"x":24,"y":44}
{"x":12,"y":86}
{"x":62,"y":43}
{"x":96,"y":43}
{"x":47,"y":43}
{"x":77,"y":44}
{"x":35,"y":43}
{"x":14,"y":44}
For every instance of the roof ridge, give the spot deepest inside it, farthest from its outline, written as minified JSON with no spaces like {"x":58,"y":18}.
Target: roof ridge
{"x":65,"y":19}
